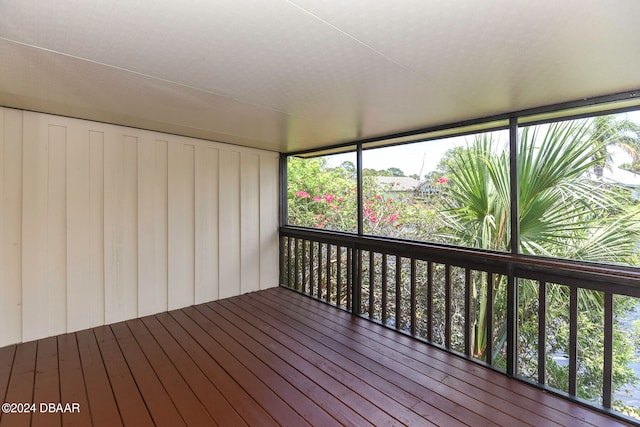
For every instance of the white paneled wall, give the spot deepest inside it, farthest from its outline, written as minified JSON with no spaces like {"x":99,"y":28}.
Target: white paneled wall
{"x":101,"y":223}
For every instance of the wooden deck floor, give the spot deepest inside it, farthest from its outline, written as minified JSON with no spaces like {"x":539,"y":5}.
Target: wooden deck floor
{"x":266,"y":358}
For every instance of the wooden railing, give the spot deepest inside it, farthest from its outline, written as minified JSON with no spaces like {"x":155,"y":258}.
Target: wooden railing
{"x":463,"y":300}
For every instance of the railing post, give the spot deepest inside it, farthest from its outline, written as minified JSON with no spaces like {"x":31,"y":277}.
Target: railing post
{"x":512,"y":324}
{"x":356,"y":281}
{"x":512,"y":283}
{"x":573,"y":340}
{"x":296,"y":264}
{"x":372,"y":269}
{"x":467,"y":312}
{"x":413,"y":295}
{"x":350,"y":278}
{"x":447,"y":306}
{"x":608,"y":350}
{"x":281,"y":259}
{"x":488,"y":351}
{"x":338,"y":274}
{"x":383,"y":311}
{"x":289,"y":272}
{"x":542,"y":332}
{"x":398,"y":292}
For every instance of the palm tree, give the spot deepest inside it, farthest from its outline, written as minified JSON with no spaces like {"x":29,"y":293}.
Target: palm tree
{"x":609,"y":131}
{"x":562,"y":213}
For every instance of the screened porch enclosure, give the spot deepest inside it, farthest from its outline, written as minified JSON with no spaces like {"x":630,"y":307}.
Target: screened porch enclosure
{"x":104,"y":225}
{"x":153,"y":269}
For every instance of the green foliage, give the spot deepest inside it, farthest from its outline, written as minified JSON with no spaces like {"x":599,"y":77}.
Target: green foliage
{"x":610,"y":131}
{"x":321,"y":197}
{"x":562,"y":214}
{"x":631,"y":167}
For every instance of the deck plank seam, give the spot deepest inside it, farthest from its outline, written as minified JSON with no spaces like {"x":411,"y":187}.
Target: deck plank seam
{"x":120,"y":355}
{"x":311,"y":337}
{"x":249,"y":368}
{"x":275,"y":356}
{"x":589,"y":417}
{"x":178,"y":370}
{"x":286,"y":362}
{"x":165,"y":319}
{"x":6,"y":388}
{"x":150,"y":368}
{"x":115,"y":400}
{"x":323,"y":357}
{"x":380,"y":331}
{"x":221,"y":365}
{"x":86,"y":392}
{"x":363,"y":344}
{"x":379,"y":336}
{"x":199,"y":368}
{"x":155,"y":369}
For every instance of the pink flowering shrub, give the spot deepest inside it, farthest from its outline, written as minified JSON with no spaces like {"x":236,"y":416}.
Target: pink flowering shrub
{"x":322,"y":197}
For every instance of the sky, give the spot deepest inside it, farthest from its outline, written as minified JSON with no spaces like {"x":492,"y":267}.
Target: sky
{"x":421,"y":158}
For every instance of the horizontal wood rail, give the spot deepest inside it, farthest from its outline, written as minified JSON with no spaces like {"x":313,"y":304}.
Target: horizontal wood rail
{"x":465,"y":300}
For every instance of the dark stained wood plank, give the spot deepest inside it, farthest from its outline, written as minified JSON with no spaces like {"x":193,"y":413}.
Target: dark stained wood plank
{"x":101,"y":401}
{"x":72,"y":382}
{"x":46,"y":387}
{"x":327,"y":373}
{"x":370,"y":354}
{"x":131,"y":406}
{"x":268,"y":358}
{"x":282,"y":384}
{"x":271,"y":402}
{"x":6,"y":363}
{"x":434,"y":377}
{"x":479,"y":378}
{"x":215,"y":403}
{"x":382,"y":387}
{"x":483,"y":379}
{"x":186,"y":402}
{"x":20,"y":388}
{"x":161,"y":408}
{"x":290,"y":365}
{"x":249,"y":409}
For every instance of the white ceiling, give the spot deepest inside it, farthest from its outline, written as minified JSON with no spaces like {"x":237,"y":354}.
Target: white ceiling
{"x":299,"y":74}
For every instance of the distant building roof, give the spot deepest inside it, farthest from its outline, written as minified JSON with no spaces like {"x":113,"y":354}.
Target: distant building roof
{"x":621,"y":177}
{"x":398,"y":183}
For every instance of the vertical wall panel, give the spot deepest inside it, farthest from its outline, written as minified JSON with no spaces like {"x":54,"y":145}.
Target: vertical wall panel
{"x":34,"y":230}
{"x":152,"y":226}
{"x":269,"y":246}
{"x":146,"y":227}
{"x":250,"y":223}
{"x":120,"y":227}
{"x":159,"y":217}
{"x":56,"y":282}
{"x":10,"y":226}
{"x":181,"y":225}
{"x":78,"y":229}
{"x":96,"y":245}
{"x":44,"y":228}
{"x":206,"y":217}
{"x":101,"y":223}
{"x":229,"y":220}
